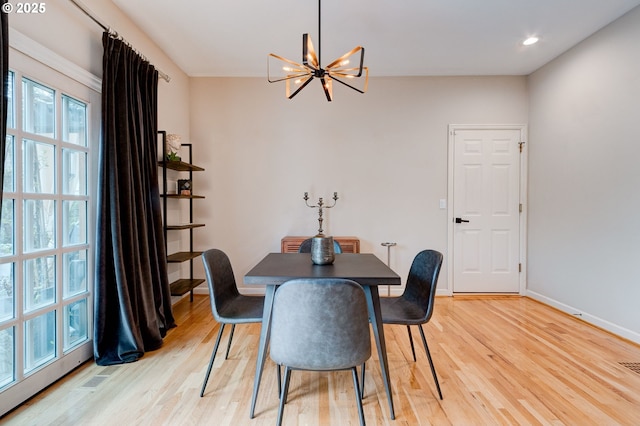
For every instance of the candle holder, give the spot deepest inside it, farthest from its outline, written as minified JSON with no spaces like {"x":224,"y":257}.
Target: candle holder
{"x":322,"y":251}
{"x":320,"y":206}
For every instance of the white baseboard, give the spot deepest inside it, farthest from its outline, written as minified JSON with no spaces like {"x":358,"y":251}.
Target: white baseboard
{"x":591,"y":319}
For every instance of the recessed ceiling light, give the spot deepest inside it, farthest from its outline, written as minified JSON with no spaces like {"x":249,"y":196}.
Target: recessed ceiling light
{"x":530,"y":41}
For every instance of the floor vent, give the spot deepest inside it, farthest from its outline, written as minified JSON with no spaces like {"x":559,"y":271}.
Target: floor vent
{"x":633,"y":366}
{"x":94,"y":382}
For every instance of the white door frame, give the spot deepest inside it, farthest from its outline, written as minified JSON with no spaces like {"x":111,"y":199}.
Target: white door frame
{"x":523,"y":196}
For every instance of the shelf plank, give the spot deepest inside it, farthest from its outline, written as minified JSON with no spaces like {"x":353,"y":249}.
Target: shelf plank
{"x":184,"y":285}
{"x":180,"y":166}
{"x":181,"y":196}
{"x":184,"y":226}
{"x":182,"y":256}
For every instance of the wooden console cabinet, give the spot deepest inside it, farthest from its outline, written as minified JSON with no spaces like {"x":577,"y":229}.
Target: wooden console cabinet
{"x":291,"y":244}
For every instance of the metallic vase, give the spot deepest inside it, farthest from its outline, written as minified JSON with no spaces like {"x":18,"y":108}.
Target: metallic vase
{"x":322,"y":252}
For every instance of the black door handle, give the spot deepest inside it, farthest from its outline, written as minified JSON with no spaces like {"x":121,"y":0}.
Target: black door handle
{"x":461,"y":220}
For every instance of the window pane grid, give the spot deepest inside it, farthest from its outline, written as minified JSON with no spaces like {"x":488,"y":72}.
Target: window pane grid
{"x":11,"y":101}
{"x":8,"y":184}
{"x":75,"y":324}
{"x":39,"y":167}
{"x":74,"y":172}
{"x":45,"y":299}
{"x":38,"y":109}
{"x":7,"y":292}
{"x":74,"y":121}
{"x":7,"y":227}
{"x":40,"y":341}
{"x":74,"y":225}
{"x":39,"y":282}
{"x":7,"y":356}
{"x":74,"y":273}
{"x":39,"y":225}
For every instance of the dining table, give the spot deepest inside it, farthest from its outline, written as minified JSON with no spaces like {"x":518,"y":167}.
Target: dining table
{"x":364,"y":268}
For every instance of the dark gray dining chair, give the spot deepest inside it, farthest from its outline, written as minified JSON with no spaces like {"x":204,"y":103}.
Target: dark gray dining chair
{"x":320,"y":324}
{"x":415,"y":305}
{"x":228,"y":306}
{"x":305,"y":247}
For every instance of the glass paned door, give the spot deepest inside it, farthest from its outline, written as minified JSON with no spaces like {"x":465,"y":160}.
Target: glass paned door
{"x":45,"y":243}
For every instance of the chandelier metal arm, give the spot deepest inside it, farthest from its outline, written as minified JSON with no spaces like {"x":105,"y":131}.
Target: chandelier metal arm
{"x":309,"y":58}
{"x":302,"y":86}
{"x":297,"y":72}
{"x":319,"y":35}
{"x":339,"y":62}
{"x":311,"y":67}
{"x":334,"y":78}
{"x":326,"y":86}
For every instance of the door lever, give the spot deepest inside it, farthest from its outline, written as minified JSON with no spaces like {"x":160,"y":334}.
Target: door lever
{"x":461,"y":220}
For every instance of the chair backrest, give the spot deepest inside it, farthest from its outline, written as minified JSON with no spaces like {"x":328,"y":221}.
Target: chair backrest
{"x":423,"y":279}
{"x":220,"y":279}
{"x":320,"y":324}
{"x":305,"y":247}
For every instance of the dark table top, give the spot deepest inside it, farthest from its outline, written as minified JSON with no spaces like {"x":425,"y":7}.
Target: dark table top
{"x":363,"y":268}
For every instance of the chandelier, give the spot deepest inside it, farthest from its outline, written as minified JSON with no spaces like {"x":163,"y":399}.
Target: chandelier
{"x":297,"y":76}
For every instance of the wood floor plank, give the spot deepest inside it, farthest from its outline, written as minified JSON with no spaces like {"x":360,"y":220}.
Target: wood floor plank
{"x":500,"y":361}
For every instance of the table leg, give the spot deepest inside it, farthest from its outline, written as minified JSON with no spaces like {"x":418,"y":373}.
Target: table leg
{"x":373,"y":304}
{"x":265,"y":331}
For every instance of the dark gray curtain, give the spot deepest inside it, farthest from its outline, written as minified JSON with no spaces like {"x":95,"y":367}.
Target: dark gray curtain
{"x":132,"y":297}
{"x":4,"y":68}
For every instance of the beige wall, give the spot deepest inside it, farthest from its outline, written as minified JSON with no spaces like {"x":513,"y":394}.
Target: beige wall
{"x":384,"y":152}
{"x":584,"y":236}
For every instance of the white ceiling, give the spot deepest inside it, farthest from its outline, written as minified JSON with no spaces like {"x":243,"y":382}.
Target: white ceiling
{"x":401,"y":37}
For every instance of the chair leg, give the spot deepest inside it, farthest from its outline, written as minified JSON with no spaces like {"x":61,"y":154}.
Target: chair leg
{"x":233,"y":328}
{"x":213,"y":358}
{"x":364,"y":364}
{"x":413,"y":350}
{"x":356,"y":386}
{"x":279,"y":379}
{"x":283,"y":395}
{"x":433,"y":369}
{"x":279,"y":368}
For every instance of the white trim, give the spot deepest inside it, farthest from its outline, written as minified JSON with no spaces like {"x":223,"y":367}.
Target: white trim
{"x":35,"y":50}
{"x":523,"y":198}
{"x":524,"y":185}
{"x":625,"y":333}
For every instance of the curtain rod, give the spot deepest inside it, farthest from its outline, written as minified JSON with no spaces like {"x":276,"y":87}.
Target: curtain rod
{"x":111,"y":31}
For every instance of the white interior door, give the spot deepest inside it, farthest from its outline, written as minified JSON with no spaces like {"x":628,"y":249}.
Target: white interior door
{"x":486,"y":210}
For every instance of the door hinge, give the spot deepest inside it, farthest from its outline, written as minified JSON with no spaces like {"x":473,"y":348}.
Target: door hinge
{"x":519,"y":267}
{"x":521,"y":145}
{"x":520,"y":208}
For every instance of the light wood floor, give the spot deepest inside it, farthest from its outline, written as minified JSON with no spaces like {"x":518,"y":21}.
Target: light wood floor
{"x":499,"y":360}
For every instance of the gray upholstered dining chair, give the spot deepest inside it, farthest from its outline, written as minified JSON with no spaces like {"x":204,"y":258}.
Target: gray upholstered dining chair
{"x":320,"y":324}
{"x":228,"y":306}
{"x":305,"y":247}
{"x":415,"y":305}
